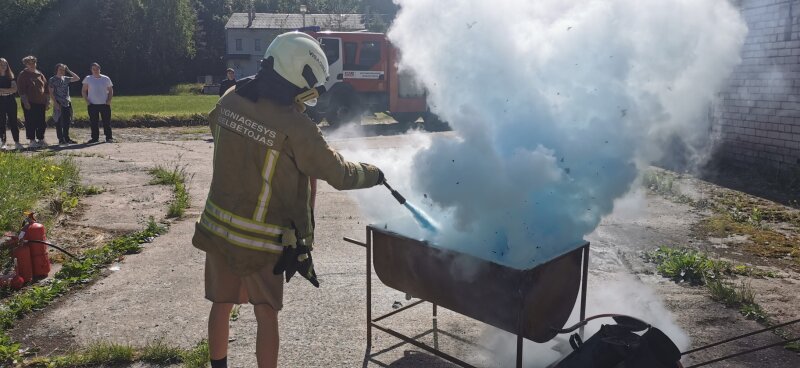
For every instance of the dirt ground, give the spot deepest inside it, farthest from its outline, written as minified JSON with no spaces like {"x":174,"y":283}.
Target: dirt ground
{"x":158,"y":294}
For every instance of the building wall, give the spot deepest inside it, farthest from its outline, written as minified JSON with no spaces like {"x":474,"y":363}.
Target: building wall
{"x":758,"y":115}
{"x":245,"y":61}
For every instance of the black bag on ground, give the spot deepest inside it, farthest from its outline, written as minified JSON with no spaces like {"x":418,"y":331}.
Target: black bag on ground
{"x":616,"y":346}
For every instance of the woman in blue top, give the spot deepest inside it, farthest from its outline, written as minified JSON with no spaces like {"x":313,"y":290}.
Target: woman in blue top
{"x":62,"y":104}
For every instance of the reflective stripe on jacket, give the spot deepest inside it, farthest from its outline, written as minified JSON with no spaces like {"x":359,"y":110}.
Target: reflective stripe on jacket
{"x":260,"y":196}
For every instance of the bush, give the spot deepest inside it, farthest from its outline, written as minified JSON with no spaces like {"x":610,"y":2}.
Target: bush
{"x":187,"y":89}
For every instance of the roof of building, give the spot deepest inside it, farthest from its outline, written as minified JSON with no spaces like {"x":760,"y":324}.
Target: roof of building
{"x":337,"y":22}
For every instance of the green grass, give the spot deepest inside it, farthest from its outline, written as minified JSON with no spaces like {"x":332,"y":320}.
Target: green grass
{"x":695,"y":267}
{"x":103,"y":354}
{"x":159,"y":352}
{"x":126,"y":108}
{"x":197,"y":357}
{"x":129,"y":107}
{"x":74,"y":273}
{"x":94,"y":355}
{"x":177,"y":177}
{"x":28,"y":181}
{"x":734,"y":213}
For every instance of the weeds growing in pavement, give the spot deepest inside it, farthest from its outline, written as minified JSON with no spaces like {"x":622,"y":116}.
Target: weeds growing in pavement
{"x":697,"y":268}
{"x":177,"y":177}
{"x":102,"y":354}
{"x":95,"y":355}
{"x":158,"y":352}
{"x":734,"y":213}
{"x":664,"y":184}
{"x":197,"y":357}
{"x":741,"y":296}
{"x":88,"y":190}
{"x":235,"y":312}
{"x":694,"y":267}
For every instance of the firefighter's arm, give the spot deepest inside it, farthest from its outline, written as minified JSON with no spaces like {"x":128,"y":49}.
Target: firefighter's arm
{"x":316,"y":159}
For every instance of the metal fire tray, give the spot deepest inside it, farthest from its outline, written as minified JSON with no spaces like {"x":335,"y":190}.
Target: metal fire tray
{"x":532,"y":303}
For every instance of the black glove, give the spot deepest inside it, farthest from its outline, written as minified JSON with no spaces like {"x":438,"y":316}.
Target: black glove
{"x":381,"y":178}
{"x":297,"y":258}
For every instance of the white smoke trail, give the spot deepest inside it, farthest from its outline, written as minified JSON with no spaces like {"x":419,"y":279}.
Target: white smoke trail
{"x":555,"y":106}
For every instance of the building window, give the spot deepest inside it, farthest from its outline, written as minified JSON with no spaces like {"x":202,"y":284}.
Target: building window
{"x":257,"y":44}
{"x":238,"y":44}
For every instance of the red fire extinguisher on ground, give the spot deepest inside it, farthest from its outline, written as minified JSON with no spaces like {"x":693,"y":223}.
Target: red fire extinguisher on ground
{"x":29,"y":251}
{"x":35,"y":238}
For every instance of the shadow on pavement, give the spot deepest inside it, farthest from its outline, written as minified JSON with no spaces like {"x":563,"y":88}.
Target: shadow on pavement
{"x":415,"y":359}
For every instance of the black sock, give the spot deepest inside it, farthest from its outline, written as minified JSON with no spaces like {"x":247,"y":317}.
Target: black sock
{"x":219,"y":363}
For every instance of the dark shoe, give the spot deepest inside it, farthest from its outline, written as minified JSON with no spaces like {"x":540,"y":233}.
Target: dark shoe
{"x":92,"y":141}
{"x":70,"y":141}
{"x":110,"y":140}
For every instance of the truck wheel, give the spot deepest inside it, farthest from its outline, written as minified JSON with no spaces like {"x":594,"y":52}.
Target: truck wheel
{"x":344,"y":108}
{"x":405,"y":117}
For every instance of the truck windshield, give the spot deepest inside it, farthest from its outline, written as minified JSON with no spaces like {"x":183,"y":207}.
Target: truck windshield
{"x":331,"y":48}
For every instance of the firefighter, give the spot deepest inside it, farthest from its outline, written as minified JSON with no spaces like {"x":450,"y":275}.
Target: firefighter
{"x":258,"y":221}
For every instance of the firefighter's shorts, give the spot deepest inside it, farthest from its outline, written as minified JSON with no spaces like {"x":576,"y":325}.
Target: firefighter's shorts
{"x":260,"y":287}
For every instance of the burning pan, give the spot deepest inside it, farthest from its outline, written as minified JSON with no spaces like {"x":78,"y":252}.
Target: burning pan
{"x":530,"y":303}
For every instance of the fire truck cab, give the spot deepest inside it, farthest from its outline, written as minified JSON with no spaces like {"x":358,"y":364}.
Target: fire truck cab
{"x":364,"y":79}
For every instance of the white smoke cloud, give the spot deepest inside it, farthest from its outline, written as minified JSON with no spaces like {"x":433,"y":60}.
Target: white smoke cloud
{"x":555,"y":105}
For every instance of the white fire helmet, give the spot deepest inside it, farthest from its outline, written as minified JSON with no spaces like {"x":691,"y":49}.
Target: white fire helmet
{"x":299,"y":59}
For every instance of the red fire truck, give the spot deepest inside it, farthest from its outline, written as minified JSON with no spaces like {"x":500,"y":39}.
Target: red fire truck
{"x":364,"y":79}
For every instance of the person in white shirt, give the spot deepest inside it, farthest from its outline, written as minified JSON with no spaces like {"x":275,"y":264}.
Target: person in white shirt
{"x":98,"y":92}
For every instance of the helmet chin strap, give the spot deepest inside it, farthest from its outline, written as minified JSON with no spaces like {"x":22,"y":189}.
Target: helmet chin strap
{"x":309,"y":95}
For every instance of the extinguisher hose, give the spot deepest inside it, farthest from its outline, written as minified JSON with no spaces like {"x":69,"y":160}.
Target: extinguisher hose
{"x":54,"y":246}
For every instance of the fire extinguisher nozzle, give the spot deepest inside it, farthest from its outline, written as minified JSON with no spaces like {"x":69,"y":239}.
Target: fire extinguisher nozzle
{"x":399,"y":197}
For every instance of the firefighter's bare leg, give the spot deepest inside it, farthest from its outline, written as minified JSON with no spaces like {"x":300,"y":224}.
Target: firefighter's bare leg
{"x":267,"y":340}
{"x":218,"y":325}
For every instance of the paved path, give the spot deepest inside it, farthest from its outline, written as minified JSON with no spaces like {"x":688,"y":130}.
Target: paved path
{"x":158,"y":294}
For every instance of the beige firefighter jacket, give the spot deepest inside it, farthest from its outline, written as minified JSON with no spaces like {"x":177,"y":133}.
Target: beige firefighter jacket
{"x":260,"y":196}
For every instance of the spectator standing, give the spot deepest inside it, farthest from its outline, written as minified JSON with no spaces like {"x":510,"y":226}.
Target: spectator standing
{"x":34,"y":94}
{"x":62,"y":103}
{"x":8,"y":105}
{"x":230,"y":81}
{"x":98,"y":92}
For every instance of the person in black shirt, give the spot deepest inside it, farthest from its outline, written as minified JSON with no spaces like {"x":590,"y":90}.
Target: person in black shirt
{"x":229,"y":82}
{"x":8,"y":105}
